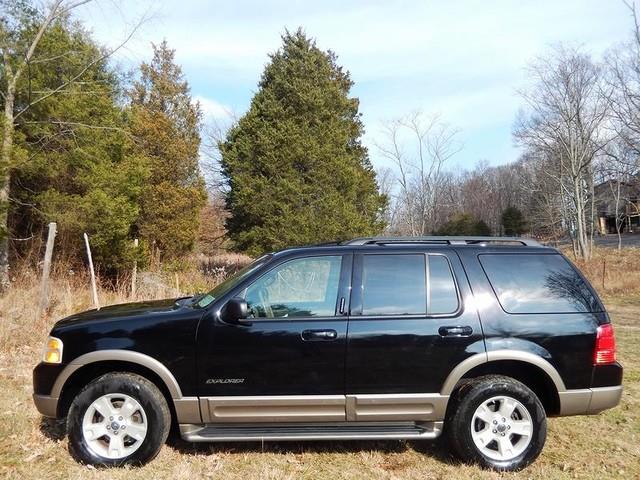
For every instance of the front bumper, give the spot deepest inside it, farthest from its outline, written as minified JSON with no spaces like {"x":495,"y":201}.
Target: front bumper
{"x":44,"y":378}
{"x":589,"y":401}
{"x":46,"y":405}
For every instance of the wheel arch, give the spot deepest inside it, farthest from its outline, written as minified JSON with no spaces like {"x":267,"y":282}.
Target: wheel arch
{"x":90,"y":366}
{"x":532,"y":370}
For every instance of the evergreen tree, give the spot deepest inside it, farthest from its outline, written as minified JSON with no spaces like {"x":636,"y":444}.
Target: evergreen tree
{"x":295,"y":166}
{"x":464,"y":224}
{"x":70,"y":162}
{"x":166,"y":126}
{"x":481,"y":228}
{"x":513,"y":221}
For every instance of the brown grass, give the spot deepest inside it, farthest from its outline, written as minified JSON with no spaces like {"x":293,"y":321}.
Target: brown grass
{"x":615,"y":274}
{"x":603,"y":446}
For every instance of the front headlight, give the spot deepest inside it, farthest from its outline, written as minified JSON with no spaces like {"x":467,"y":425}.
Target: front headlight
{"x":52,"y":351}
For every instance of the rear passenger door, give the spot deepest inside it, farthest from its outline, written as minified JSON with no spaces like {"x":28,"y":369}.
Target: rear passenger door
{"x":408,"y":328}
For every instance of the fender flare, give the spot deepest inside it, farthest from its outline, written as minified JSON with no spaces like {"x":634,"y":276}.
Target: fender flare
{"x":122,"y":356}
{"x":496,"y":355}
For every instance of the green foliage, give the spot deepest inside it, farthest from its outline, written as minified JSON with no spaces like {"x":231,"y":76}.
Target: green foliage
{"x":92,"y":165}
{"x":166,"y":127}
{"x":296,"y":169}
{"x":70,"y":162}
{"x":513,"y":221}
{"x":464,"y":224}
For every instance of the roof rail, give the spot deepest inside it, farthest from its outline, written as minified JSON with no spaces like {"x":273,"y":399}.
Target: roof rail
{"x":442,"y":240}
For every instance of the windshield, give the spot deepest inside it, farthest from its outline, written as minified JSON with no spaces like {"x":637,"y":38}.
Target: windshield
{"x":231,"y":282}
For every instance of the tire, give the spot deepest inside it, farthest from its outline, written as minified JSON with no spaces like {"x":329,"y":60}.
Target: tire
{"x":480,"y":433}
{"x":118,"y":419}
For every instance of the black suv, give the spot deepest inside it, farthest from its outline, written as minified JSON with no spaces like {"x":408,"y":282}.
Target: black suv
{"x":375,"y":338}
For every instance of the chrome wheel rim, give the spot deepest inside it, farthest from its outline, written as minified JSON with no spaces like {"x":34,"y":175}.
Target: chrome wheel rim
{"x":501,"y":428}
{"x":114,"y":426}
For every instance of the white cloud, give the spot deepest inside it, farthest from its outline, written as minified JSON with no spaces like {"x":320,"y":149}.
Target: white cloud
{"x":212,"y":109}
{"x":464,"y":59}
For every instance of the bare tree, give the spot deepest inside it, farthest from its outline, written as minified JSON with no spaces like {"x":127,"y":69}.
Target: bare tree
{"x":567,"y":108}
{"x":17,"y":54}
{"x":419,"y":146}
{"x":623,"y":79}
{"x":215,"y":133}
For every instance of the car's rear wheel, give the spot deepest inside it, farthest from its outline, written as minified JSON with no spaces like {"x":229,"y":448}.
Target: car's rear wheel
{"x":118,"y":419}
{"x":497,"y":422}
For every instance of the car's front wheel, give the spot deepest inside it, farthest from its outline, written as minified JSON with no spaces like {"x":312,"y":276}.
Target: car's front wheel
{"x":497,"y":422}
{"x":118,"y":419}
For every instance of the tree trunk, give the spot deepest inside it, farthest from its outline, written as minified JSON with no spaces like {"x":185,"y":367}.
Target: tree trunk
{"x":582,"y":238}
{"x":5,"y":178}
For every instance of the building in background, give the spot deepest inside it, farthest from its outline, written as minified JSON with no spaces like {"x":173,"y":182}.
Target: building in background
{"x":618,"y":206}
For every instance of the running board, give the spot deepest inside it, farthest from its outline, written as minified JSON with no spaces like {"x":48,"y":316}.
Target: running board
{"x":311,"y":431}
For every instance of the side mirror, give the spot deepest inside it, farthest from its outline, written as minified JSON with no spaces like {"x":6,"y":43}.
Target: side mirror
{"x":234,"y":310}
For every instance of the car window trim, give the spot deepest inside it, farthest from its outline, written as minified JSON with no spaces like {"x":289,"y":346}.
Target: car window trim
{"x":355,"y":308}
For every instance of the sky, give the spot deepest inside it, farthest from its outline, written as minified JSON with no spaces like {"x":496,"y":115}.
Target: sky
{"x":463,"y":59}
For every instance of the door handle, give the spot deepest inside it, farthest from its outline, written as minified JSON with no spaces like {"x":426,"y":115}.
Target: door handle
{"x":319,"y":335}
{"x":457,"y":331}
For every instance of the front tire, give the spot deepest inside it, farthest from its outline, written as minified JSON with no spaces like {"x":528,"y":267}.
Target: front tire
{"x":118,"y":419}
{"x":497,"y":422}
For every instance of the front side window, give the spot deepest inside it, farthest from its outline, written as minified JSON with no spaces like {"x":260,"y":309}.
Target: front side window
{"x":393,"y":285}
{"x":304,"y":287}
{"x":535,"y":283}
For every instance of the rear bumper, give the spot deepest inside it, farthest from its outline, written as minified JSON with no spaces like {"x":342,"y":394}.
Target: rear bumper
{"x":46,"y":405}
{"x":589,"y":401}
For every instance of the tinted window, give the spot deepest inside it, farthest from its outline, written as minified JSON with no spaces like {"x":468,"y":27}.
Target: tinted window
{"x":443,"y":297}
{"x":537,"y":284}
{"x":305,"y":287}
{"x":393,"y":284}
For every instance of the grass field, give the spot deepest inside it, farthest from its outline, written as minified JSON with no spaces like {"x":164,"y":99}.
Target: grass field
{"x":603,"y":446}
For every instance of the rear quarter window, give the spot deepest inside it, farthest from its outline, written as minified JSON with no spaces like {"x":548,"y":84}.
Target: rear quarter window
{"x":537,"y":283}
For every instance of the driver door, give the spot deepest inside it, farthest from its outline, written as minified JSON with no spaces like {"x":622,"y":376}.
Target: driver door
{"x":286,"y":361}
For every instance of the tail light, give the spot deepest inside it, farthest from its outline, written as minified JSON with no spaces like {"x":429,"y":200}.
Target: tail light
{"x":605,"y":351}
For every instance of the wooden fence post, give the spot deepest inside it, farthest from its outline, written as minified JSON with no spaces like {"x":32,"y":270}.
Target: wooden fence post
{"x":94,"y":288}
{"x":46,"y":269}
{"x":134,"y":273}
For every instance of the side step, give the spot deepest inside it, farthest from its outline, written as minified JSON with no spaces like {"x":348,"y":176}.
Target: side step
{"x":311,"y":431}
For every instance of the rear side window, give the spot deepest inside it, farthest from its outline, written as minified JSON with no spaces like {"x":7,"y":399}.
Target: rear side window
{"x":533,"y":283}
{"x":393,"y":285}
{"x":443,"y":296}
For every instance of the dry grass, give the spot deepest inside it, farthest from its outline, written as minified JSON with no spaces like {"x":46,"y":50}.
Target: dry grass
{"x":613,"y":273}
{"x":604,"y":446}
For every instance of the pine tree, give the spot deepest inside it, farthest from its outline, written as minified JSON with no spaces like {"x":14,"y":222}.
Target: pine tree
{"x":295,"y":166}
{"x":513,"y":221}
{"x":166,"y":126}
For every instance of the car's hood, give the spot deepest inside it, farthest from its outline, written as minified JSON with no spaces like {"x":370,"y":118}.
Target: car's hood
{"x":126,"y":311}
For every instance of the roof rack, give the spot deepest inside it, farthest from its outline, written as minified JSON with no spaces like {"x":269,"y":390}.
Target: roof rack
{"x":442,"y":240}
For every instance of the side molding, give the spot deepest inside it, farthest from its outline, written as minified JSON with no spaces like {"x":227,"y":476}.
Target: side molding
{"x":396,"y":407}
{"x":480,"y":358}
{"x":273,"y":408}
{"x":118,"y":355}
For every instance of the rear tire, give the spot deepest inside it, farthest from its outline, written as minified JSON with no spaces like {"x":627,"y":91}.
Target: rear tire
{"x":496,"y":422}
{"x":118,"y":419}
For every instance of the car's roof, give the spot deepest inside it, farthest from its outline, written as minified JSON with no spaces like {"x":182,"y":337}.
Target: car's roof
{"x":395,"y":244}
